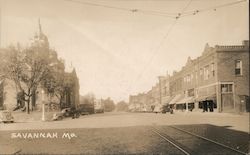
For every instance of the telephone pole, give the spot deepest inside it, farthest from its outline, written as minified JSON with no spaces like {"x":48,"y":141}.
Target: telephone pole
{"x":0,"y":23}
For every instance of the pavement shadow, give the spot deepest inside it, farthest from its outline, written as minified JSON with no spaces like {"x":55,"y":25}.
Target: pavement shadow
{"x":223,"y":134}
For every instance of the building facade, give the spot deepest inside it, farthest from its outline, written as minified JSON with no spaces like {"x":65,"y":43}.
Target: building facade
{"x":218,"y":80}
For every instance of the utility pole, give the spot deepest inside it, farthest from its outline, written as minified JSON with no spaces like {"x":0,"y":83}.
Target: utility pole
{"x":1,"y":23}
{"x":43,"y":106}
{"x":160,"y":91}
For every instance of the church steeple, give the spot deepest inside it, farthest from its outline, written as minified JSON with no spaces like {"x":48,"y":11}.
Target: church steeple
{"x":40,"y":27}
{"x":40,"y":39}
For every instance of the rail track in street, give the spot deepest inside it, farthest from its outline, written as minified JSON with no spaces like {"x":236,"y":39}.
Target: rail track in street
{"x":193,"y":144}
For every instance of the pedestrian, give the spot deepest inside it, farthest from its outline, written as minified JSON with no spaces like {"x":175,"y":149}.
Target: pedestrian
{"x":205,"y":106}
{"x":171,"y":110}
{"x":211,"y":106}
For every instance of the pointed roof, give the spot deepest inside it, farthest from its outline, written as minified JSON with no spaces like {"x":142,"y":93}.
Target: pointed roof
{"x":207,"y":49}
{"x":189,"y":61}
{"x":40,"y":39}
{"x":40,"y":27}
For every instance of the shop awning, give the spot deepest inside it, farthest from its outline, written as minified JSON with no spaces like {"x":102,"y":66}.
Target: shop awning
{"x":166,"y":100}
{"x":186,"y":100}
{"x":208,"y":97}
{"x":176,"y":98}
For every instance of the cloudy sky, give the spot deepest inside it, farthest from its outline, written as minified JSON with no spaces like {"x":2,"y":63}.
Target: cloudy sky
{"x":117,"y":52}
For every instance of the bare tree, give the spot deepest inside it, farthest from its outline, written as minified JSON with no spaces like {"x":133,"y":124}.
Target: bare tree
{"x":27,"y":68}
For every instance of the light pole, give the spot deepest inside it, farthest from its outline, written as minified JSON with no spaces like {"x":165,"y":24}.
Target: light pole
{"x":43,"y":106}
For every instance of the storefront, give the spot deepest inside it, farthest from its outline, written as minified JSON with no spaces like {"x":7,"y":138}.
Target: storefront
{"x":187,"y":103}
{"x":175,"y":99}
{"x":207,"y":103}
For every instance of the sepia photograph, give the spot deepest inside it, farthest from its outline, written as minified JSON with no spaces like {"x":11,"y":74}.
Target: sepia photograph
{"x":167,"y":77}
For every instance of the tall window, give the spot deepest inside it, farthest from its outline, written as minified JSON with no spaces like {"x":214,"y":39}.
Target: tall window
{"x":201,"y":71}
{"x":206,"y":72}
{"x":212,"y":69}
{"x":188,"y":78}
{"x":190,"y":92}
{"x":238,"y":67}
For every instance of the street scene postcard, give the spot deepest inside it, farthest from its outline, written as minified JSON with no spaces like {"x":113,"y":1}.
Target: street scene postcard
{"x":167,"y":77}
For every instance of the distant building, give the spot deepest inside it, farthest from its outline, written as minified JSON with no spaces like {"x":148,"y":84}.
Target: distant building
{"x":98,"y":106}
{"x":138,"y":102}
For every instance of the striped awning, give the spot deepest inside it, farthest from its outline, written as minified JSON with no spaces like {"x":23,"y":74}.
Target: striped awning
{"x":176,"y":98}
{"x":208,"y":97}
{"x":186,"y":100}
{"x":166,"y":100}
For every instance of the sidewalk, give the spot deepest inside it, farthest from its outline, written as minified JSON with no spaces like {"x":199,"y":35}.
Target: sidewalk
{"x":34,"y":116}
{"x":234,"y":121}
{"x":212,"y":113}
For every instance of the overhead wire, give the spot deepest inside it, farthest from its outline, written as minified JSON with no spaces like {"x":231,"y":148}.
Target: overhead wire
{"x":159,"y":13}
{"x":159,"y":45}
{"x":172,"y":15}
{"x":132,"y":10}
{"x":214,"y":8}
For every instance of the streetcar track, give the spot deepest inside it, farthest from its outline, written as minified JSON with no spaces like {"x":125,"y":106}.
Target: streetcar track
{"x":175,"y":145}
{"x":212,"y":141}
{"x":182,"y":147}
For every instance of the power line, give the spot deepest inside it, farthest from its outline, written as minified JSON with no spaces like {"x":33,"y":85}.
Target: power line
{"x":160,"y":44}
{"x":159,"y":13}
{"x":182,"y":14}
{"x":214,"y":8}
{"x":132,"y":10}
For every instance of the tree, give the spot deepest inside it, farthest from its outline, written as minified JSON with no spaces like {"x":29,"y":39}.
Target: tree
{"x":122,"y":106}
{"x":55,"y":84}
{"x":87,"y":99}
{"x":27,"y":68}
{"x":109,"y":105}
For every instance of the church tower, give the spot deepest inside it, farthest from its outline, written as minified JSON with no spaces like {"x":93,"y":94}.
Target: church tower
{"x":40,"y":39}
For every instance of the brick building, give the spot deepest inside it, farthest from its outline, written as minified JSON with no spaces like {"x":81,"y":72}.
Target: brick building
{"x":218,"y":80}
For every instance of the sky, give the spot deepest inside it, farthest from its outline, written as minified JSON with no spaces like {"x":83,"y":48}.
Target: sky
{"x":117,"y":52}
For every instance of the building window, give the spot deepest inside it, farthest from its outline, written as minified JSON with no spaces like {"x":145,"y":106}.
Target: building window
{"x":206,"y":72}
{"x":188,"y":78}
{"x":190,"y":92}
{"x":201,"y":71}
{"x":227,"y":88}
{"x":212,"y":69}
{"x":238,"y":67}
